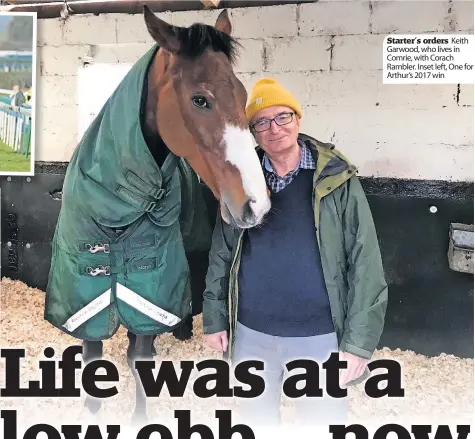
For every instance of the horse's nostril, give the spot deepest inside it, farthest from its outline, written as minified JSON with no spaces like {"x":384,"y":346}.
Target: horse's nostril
{"x":247,"y":213}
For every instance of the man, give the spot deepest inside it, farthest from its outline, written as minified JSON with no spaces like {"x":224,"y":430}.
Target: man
{"x":26,"y":90}
{"x":308,"y":282}
{"x":17,"y":98}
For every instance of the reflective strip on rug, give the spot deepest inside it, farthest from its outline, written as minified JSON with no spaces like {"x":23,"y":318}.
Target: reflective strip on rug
{"x":145,"y":307}
{"x":89,"y":311}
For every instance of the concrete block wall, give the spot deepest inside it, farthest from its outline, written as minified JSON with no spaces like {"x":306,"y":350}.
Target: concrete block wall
{"x":328,"y":53}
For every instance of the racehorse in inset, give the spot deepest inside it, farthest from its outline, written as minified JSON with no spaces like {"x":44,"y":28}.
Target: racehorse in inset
{"x":120,"y":229}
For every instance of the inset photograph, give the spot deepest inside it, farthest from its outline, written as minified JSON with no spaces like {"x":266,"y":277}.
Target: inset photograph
{"x":17,"y":92}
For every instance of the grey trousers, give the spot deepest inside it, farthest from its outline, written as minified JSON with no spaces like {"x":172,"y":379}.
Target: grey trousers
{"x":276,"y":352}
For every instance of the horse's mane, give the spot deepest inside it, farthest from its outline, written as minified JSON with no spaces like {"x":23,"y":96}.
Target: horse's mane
{"x":199,"y":37}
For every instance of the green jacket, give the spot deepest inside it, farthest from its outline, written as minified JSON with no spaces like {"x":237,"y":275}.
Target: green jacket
{"x":139,"y":277}
{"x":350,"y":254}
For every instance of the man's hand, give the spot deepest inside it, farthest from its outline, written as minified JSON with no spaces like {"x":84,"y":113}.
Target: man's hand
{"x":354,"y":369}
{"x":218,"y":341}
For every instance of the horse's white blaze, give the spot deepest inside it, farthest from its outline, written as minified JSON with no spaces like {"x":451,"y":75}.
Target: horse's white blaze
{"x":241,"y":153}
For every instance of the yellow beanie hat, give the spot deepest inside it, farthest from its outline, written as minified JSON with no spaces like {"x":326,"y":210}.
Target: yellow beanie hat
{"x":267,"y":92}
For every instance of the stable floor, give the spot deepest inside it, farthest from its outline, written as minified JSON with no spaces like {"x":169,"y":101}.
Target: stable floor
{"x":438,"y":389}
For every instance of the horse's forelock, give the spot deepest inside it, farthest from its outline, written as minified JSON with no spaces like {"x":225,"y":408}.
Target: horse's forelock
{"x":197,"y":38}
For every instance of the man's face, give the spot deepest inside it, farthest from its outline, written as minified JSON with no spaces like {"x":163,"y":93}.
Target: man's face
{"x":277,"y":138}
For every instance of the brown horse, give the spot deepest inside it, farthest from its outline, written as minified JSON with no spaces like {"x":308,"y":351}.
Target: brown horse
{"x":195,"y":108}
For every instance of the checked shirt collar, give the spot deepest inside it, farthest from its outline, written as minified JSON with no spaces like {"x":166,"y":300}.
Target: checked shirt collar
{"x":277,"y":183}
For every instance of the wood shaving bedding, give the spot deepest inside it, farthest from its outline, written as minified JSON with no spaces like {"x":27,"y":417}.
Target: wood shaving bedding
{"x":438,"y":389}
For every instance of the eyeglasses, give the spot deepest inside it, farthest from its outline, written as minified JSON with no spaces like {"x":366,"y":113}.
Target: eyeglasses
{"x":280,"y":119}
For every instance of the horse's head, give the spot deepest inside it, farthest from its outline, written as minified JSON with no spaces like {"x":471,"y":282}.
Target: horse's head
{"x":199,"y":112}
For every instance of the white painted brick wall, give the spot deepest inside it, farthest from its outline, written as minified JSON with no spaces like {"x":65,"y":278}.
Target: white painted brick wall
{"x":50,"y":32}
{"x":56,"y":91}
{"x":296,"y":83}
{"x":57,"y":126}
{"x":248,"y":79}
{"x":466,"y":96}
{"x":420,"y":161}
{"x":328,"y":53}
{"x":462,"y":15}
{"x":90,"y":29}
{"x":61,"y":60}
{"x":131,"y":28}
{"x":334,"y":18}
{"x":383,"y":143}
{"x":275,"y":21}
{"x":359,"y":52}
{"x":410,"y":17}
{"x":250,"y":56}
{"x":298,"y":54}
{"x":119,"y":53}
{"x":354,"y":89}
{"x":385,"y":125}
{"x":187,"y":18}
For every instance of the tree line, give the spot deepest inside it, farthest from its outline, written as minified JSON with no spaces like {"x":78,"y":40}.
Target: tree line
{"x":18,"y":34}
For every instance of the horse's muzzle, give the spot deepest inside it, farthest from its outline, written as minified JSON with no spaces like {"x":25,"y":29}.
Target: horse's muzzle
{"x":248,"y":218}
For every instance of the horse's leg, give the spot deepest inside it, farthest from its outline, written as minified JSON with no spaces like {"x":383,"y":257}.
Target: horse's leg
{"x":92,"y":350}
{"x":140,"y":348}
{"x":198,"y":263}
{"x":185,"y":330}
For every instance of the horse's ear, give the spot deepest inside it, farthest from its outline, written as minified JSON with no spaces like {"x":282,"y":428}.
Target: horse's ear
{"x":223,"y":23}
{"x":162,"y":32}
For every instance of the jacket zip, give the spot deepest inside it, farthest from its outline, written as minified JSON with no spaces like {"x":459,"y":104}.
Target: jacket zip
{"x":317,"y":223}
{"x":233,"y":292}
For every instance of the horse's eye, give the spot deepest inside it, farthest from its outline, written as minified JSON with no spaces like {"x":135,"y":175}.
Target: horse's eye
{"x":200,"y":102}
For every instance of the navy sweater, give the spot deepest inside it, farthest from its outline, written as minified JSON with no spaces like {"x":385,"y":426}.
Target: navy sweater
{"x":281,"y":286}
